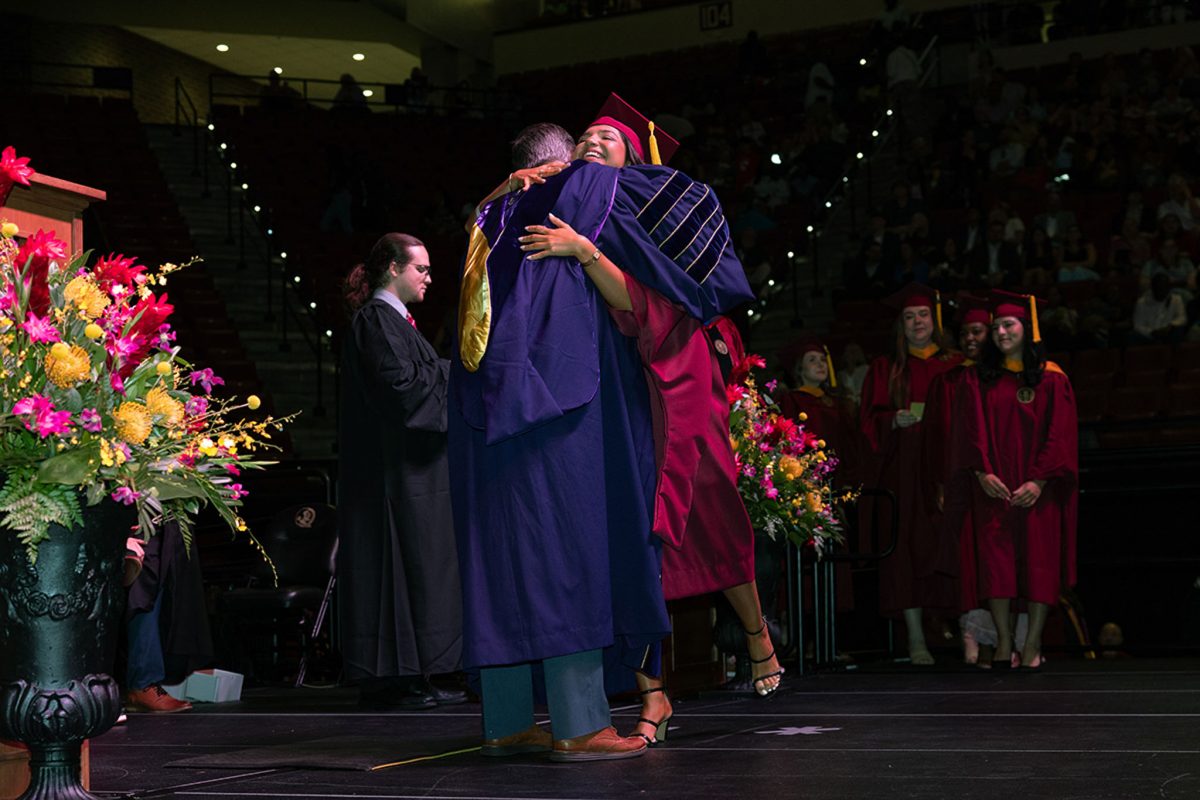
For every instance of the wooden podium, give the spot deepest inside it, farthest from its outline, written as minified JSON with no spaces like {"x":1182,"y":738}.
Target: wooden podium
{"x":49,"y":204}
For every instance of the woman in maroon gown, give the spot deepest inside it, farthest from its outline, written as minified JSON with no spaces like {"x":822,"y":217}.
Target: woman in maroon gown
{"x":1017,"y":434}
{"x":710,"y":545}
{"x":893,"y":404}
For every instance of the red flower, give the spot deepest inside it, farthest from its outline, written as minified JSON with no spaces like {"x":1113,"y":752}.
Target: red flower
{"x":734,"y":392}
{"x":38,"y":250}
{"x":13,"y":170}
{"x":149,"y":313}
{"x":116,"y":269}
{"x":741,"y":370}
{"x":785,"y":429}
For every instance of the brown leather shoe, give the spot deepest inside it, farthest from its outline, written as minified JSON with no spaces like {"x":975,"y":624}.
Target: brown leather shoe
{"x":534,"y":739}
{"x":603,"y":745}
{"x":154,"y":698}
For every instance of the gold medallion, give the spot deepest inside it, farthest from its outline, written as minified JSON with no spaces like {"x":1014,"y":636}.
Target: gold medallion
{"x":721,"y":347}
{"x":1025,"y":394}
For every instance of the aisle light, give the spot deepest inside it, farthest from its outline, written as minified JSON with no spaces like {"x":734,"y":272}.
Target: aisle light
{"x":283,"y":253}
{"x":358,"y":56}
{"x":295,"y":279}
{"x":313,"y":306}
{"x":368,"y":92}
{"x":212,"y":127}
{"x":257,"y":209}
{"x":278,"y":70}
{"x":233,"y":165}
{"x":222,"y":48}
{"x":775,"y":159}
{"x":860,"y":156}
{"x":862,"y":62}
{"x":810,"y":228}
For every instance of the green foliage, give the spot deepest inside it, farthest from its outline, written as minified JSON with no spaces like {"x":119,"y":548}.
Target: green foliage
{"x":30,"y":508}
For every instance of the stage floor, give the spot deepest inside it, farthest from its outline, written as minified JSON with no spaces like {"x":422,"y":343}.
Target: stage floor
{"x":1119,"y":729}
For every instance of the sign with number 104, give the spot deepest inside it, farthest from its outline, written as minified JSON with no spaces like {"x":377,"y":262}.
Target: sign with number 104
{"x":716,"y":15}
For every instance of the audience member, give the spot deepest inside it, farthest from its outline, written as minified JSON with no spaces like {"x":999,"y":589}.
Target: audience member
{"x":1159,"y":315}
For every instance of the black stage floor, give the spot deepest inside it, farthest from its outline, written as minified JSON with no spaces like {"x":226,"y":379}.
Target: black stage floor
{"x":1079,"y":729}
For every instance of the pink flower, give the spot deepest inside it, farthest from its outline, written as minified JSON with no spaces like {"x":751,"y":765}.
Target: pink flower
{"x":33,"y":264}
{"x":125,"y":495}
{"x":232,"y":469}
{"x":118,"y":385}
{"x":772,"y":492}
{"x":123,"y":449}
{"x":122,"y":347}
{"x":89,"y":419}
{"x":771,"y":384}
{"x":116,"y":270}
{"x":39,"y":329}
{"x":236,"y":492}
{"x":206,"y":379}
{"x":43,"y":418}
{"x":13,"y":170}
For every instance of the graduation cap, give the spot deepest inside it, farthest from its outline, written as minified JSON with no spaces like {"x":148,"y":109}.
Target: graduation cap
{"x":796,"y":351}
{"x":1021,"y":306}
{"x":973,"y":309}
{"x":654,"y":145}
{"x":917,"y":295}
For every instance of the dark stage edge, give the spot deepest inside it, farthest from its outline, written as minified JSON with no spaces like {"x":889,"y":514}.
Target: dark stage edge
{"x":1095,"y":730}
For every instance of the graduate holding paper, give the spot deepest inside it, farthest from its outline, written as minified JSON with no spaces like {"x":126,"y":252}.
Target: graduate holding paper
{"x":893,"y":403}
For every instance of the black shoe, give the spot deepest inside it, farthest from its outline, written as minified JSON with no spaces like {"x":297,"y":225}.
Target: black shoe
{"x":397,"y":698}
{"x":445,"y":697}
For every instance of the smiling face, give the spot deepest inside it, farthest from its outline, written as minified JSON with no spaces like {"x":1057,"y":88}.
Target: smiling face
{"x":410,"y":280}
{"x":971,"y":339}
{"x":814,"y":370}
{"x":1008,"y":334}
{"x":918,"y":325}
{"x":603,"y":144}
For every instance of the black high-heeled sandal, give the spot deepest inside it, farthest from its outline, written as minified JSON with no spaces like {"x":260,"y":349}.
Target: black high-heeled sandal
{"x":660,"y":726}
{"x":763,"y":691}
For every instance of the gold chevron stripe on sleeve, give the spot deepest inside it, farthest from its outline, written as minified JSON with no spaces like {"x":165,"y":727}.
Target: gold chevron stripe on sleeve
{"x":474,"y":303}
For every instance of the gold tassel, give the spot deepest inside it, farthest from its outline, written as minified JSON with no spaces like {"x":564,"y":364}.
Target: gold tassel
{"x":832,"y":374}
{"x":937,"y":302}
{"x":655,"y":158}
{"x":1037,"y":334}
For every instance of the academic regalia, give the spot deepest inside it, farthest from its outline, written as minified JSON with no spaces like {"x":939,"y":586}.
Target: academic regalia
{"x":955,"y":542}
{"x":399,"y":604}
{"x":551,"y":445}
{"x":1027,"y":553}
{"x":699,"y":511}
{"x":1021,"y":433}
{"x":908,"y":577}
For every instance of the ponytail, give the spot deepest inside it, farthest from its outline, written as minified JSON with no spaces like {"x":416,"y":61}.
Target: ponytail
{"x":365,"y":278}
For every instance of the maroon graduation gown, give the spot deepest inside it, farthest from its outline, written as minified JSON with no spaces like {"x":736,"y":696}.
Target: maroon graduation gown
{"x":698,"y":511}
{"x":1004,"y":430}
{"x":956,"y":544}
{"x":908,"y":577}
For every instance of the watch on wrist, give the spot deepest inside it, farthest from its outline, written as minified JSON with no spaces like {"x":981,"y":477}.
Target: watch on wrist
{"x":594,"y":258}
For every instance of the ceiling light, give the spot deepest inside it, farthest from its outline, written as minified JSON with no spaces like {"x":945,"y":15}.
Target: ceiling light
{"x":278,"y":70}
{"x":358,"y":56}
{"x":368,"y":92}
{"x":222,"y":48}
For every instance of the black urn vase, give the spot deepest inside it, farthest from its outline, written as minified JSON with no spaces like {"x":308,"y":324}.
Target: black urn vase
{"x":58,"y":630}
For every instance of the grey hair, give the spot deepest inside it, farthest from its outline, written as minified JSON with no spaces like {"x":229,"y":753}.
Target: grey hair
{"x":541,"y":143}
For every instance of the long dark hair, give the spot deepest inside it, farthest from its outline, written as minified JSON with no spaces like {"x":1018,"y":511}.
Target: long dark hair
{"x":368,"y":276}
{"x":632,"y":157}
{"x":1033,"y":359}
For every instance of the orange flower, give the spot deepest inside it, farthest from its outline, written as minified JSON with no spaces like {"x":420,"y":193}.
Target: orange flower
{"x":67,"y":365}
{"x":160,"y":403}
{"x":133,"y":422}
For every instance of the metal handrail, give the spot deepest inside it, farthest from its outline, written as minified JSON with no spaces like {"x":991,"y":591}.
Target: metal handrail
{"x":192,"y":119}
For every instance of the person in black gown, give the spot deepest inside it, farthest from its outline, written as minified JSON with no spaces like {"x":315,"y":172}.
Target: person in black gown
{"x":399,"y":603}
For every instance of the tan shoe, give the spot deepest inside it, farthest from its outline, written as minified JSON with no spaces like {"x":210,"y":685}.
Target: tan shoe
{"x":603,"y":745}
{"x":154,"y":698}
{"x":534,"y":739}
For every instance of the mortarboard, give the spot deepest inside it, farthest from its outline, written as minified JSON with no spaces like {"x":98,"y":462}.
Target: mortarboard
{"x":797,"y":350}
{"x":973,"y":309}
{"x":1021,"y":306}
{"x":917,"y":295}
{"x":654,"y":145}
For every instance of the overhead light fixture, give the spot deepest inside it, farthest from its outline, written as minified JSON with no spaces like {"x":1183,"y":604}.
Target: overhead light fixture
{"x":278,"y":70}
{"x":358,"y":56}
{"x":222,"y":48}
{"x":368,"y":92}
{"x":775,"y":159}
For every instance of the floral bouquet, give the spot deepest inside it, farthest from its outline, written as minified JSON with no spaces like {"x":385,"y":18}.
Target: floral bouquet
{"x":784,"y":472}
{"x":95,"y":401}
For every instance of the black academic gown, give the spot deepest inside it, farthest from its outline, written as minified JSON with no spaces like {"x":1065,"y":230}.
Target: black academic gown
{"x":399,"y":602}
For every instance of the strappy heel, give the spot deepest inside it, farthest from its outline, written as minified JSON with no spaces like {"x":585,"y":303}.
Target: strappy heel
{"x":759,"y":683}
{"x":660,"y":726}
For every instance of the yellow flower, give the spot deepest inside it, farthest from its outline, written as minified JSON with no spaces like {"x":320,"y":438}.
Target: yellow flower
{"x":208,"y":447}
{"x":83,"y":292}
{"x":133,"y":422}
{"x":253,"y":402}
{"x":734,"y":443}
{"x":813,"y":500}
{"x":9,"y":230}
{"x":93,"y":331}
{"x":163,"y":368}
{"x":791,"y":467}
{"x":239,"y":523}
{"x":162,"y":404}
{"x":803,"y":417}
{"x":106,"y":453}
{"x":67,"y":365}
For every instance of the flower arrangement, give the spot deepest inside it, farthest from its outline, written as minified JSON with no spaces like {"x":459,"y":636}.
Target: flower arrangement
{"x":95,"y":401}
{"x":784,"y":472}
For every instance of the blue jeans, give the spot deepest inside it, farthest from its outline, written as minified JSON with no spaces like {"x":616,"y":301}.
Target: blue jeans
{"x":574,"y":694}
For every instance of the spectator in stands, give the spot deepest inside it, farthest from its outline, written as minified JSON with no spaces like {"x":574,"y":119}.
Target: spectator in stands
{"x":1180,"y":202}
{"x":1055,"y":220}
{"x":821,"y":85}
{"x":996,"y":262}
{"x":399,"y":604}
{"x":878,"y":233}
{"x":1017,"y":432}
{"x":1125,"y":248}
{"x":1059,"y":322}
{"x":1159,"y":315}
{"x":1104,"y":321}
{"x":1169,"y":227}
{"x":853,"y":371}
{"x":416,"y":91}
{"x":949,"y":270}
{"x":912,"y":266}
{"x":903,"y":84}
{"x":1039,"y":262}
{"x":1078,"y":258}
{"x":1178,"y":268}
{"x":868,"y":275}
{"x":277,"y":95}
{"x":349,"y":95}
{"x":753,"y":59}
{"x":900,"y":209}
{"x":974,"y":233}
